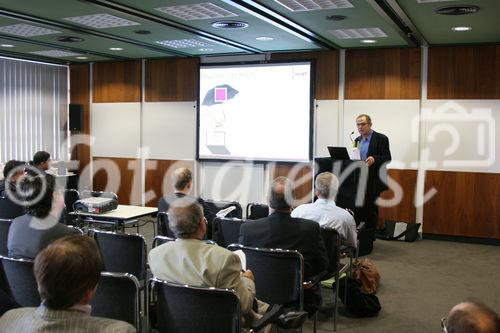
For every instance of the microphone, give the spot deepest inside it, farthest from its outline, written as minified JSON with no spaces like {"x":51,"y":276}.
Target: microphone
{"x":350,"y":137}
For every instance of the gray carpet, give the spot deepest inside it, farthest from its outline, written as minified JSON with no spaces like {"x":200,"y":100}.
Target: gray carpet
{"x":421,"y":281}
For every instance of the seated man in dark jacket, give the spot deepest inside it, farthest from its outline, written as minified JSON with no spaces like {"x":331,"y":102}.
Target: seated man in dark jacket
{"x":32,"y":232}
{"x":280,"y":230}
{"x":12,"y":173}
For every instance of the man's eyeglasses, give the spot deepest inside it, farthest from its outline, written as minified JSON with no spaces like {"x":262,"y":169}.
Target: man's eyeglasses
{"x":361,"y":124}
{"x":443,"y":325}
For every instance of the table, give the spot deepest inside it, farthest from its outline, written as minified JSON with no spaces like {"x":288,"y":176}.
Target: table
{"x":120,"y":217}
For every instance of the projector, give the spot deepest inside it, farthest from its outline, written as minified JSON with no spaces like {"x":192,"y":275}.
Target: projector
{"x":95,"y":205}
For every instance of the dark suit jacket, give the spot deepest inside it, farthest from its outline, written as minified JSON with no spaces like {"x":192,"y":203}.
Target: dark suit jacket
{"x":379,"y":149}
{"x":280,"y":230}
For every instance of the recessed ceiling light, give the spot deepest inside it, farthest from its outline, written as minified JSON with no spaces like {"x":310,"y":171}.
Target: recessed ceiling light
{"x":230,"y":25}
{"x":310,"y":5}
{"x":264,"y":38}
{"x":27,"y":30}
{"x":358,"y":33}
{"x":101,"y":21}
{"x":81,"y":58}
{"x":205,"y":50}
{"x":56,"y":53}
{"x":368,"y":41}
{"x":6,"y":45}
{"x":116,"y":48}
{"x":182,"y":43}
{"x":199,"y":11}
{"x":461,"y":28}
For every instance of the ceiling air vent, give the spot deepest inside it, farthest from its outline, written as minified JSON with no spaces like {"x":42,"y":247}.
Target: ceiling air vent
{"x":457,"y":10}
{"x":336,"y":17}
{"x":230,"y":24}
{"x":69,"y":39}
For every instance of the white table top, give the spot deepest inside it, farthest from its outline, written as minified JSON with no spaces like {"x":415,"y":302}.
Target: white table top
{"x":123,"y":212}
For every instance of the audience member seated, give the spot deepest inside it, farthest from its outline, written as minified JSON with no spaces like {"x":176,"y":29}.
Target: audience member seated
{"x":32,"y":232}
{"x":325,"y":211}
{"x":280,"y":230}
{"x":183,"y":182}
{"x":13,"y":173}
{"x":41,"y":161}
{"x":67,"y":272}
{"x":471,"y":317}
{"x":191,"y":261}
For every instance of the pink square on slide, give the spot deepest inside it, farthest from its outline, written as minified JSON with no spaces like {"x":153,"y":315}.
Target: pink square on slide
{"x":220,"y":94}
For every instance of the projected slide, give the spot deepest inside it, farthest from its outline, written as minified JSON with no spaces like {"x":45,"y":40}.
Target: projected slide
{"x":255,"y":112}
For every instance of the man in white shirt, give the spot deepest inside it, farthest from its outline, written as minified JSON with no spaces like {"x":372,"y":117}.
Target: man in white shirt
{"x":325,"y":211}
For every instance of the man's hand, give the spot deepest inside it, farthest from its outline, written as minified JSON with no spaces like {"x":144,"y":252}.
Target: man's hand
{"x":248,"y":273}
{"x":370,"y":160}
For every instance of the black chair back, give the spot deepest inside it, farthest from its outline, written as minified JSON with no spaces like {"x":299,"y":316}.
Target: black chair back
{"x":163,"y":226}
{"x":9,"y":209}
{"x":4,"y":233}
{"x":212,"y":207}
{"x":20,"y":281}
{"x":159,"y":240}
{"x":278,"y":274}
{"x":226,"y":231}
{"x":216,"y":310}
{"x":117,"y":297}
{"x":122,"y":253}
{"x":257,"y":211}
{"x":331,"y":238}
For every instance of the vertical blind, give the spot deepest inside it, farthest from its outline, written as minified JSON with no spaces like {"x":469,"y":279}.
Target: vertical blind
{"x":33,"y":109}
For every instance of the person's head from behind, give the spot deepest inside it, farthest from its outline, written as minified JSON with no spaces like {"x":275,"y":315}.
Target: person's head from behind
{"x":67,"y":272}
{"x":472,"y":317}
{"x":183,"y":180}
{"x":186,"y":219}
{"x":41,"y":160}
{"x":13,"y":170}
{"x":326,"y":185}
{"x":364,"y":124}
{"x":42,"y":197}
{"x":280,"y":196}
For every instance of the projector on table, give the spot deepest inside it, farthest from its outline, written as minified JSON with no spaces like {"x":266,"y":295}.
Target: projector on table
{"x":95,"y":205}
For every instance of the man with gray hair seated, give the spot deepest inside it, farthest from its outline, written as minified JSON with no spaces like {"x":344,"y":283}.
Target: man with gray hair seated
{"x":189,"y":260}
{"x":471,"y":316}
{"x":326,"y":212}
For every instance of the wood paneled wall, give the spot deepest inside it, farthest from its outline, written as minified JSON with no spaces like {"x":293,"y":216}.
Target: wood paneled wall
{"x":115,"y":82}
{"x":405,"y":210}
{"x":383,"y":74}
{"x":159,"y":178}
{"x":300,"y":174}
{"x":466,"y":204}
{"x":172,"y":80}
{"x":464,"y":72}
{"x":129,"y":190}
{"x":80,"y":94}
{"x":326,"y":83}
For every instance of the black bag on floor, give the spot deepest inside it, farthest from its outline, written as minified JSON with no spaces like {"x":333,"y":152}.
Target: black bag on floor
{"x":390,"y":232}
{"x":358,"y":303}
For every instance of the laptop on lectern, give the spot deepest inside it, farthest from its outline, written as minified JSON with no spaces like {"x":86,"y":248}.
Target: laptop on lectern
{"x":339,"y":153}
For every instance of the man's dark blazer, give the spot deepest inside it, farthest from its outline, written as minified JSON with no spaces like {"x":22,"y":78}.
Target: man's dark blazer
{"x":379,"y":149}
{"x":280,"y":230}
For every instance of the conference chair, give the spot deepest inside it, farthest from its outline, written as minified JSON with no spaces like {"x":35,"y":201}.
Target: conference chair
{"x":163,"y":226}
{"x":332,"y":240}
{"x":4,"y":233}
{"x":226,"y":231}
{"x":183,"y":308}
{"x":212,"y":207}
{"x":123,"y":253}
{"x":9,"y":209}
{"x":70,"y":197}
{"x":20,"y":281}
{"x":159,"y":240}
{"x":117,"y":297}
{"x":256,"y":211}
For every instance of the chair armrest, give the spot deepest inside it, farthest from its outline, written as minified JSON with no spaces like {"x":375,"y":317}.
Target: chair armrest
{"x":314,"y":280}
{"x":360,"y":227}
{"x":269,"y":317}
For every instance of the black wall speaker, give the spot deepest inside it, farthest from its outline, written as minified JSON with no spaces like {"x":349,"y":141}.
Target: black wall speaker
{"x":75,"y":117}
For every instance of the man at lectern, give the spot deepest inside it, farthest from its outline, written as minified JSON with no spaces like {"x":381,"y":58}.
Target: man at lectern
{"x":374,"y":150}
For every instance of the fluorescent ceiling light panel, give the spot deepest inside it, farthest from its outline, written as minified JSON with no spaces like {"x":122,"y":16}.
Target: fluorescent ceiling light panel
{"x":199,"y":11}
{"x":101,"y":21}
{"x":310,"y":5}
{"x":56,"y":53}
{"x":27,"y":30}
{"x":358,"y":33}
{"x":182,"y":43}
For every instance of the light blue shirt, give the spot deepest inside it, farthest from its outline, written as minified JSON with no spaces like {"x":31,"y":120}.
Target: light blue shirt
{"x":364,"y":144}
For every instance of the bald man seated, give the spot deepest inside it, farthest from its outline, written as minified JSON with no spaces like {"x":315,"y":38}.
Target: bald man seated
{"x":471,"y":317}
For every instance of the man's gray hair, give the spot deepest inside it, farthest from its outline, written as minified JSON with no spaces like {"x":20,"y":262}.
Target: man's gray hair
{"x":184,"y":217}
{"x":280,"y":194}
{"x":326,"y":185}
